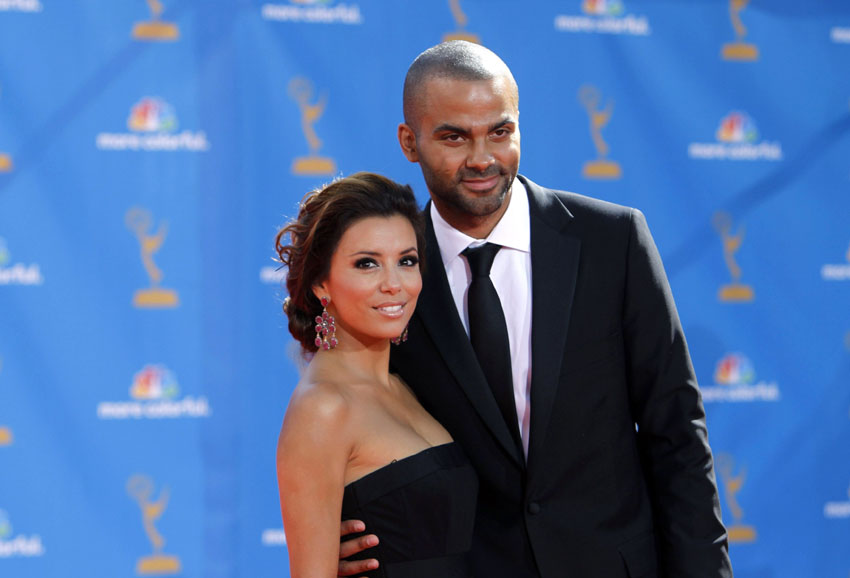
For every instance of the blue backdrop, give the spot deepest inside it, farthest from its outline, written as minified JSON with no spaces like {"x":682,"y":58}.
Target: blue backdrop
{"x":150,"y":150}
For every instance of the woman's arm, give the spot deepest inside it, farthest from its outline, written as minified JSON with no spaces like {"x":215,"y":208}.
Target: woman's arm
{"x":313,"y":450}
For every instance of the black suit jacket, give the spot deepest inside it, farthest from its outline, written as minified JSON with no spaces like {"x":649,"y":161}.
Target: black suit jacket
{"x":619,"y":479}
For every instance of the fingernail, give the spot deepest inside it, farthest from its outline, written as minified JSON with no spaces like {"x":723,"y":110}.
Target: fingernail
{"x":373,"y":564}
{"x":372,"y":540}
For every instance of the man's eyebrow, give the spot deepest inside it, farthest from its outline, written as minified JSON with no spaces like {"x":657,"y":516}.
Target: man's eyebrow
{"x":505,"y":121}
{"x":445,"y":127}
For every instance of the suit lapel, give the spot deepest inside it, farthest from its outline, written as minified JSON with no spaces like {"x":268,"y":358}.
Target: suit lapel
{"x":554,"y":270}
{"x":437,"y":312}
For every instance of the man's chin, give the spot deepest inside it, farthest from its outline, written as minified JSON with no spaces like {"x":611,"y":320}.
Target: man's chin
{"x":483,"y":206}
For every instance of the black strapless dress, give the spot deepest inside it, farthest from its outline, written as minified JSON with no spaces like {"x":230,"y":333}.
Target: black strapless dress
{"x":422,"y":508}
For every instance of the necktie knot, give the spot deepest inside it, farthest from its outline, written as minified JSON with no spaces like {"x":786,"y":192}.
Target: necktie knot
{"x":481,"y":258}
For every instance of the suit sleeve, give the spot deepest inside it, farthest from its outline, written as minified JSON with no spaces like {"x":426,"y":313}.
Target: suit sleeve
{"x":670,"y":418}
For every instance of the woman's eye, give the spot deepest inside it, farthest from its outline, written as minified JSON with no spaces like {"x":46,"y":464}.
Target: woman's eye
{"x":365,"y":263}
{"x":410,"y":261}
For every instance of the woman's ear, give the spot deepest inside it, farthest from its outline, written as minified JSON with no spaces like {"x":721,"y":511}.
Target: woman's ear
{"x":321,"y":290}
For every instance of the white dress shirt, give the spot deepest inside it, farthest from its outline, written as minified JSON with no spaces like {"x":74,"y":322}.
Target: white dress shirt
{"x":511,"y":275}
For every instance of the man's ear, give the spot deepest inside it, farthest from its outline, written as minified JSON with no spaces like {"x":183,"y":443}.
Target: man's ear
{"x":407,"y":140}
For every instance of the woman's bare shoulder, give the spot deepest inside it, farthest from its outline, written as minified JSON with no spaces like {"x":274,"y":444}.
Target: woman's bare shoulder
{"x":321,"y":403}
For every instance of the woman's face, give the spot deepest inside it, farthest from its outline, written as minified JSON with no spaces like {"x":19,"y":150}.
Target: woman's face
{"x":374,"y":280}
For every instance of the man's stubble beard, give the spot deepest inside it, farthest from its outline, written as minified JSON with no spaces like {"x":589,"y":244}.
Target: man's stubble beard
{"x":467,"y":205}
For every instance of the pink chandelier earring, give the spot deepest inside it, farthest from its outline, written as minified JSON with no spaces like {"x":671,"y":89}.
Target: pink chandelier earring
{"x":325,"y":328}
{"x":401,"y":338}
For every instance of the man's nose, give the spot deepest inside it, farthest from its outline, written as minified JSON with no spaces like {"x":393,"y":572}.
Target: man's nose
{"x":480,"y":157}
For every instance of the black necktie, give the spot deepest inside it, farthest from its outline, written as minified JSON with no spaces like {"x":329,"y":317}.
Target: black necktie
{"x":488,"y":332}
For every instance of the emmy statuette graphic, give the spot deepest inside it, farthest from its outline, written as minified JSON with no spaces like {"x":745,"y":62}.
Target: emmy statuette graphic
{"x":460,"y":22}
{"x":139,"y":221}
{"x":734,"y":291}
{"x":739,"y":50}
{"x":301,"y":91}
{"x":5,"y":163}
{"x":140,"y":488}
{"x":601,"y":168}
{"x":154,"y":29}
{"x":5,"y":432}
{"x":732,"y":484}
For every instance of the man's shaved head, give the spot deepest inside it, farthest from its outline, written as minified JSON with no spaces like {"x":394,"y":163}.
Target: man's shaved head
{"x":454,"y":60}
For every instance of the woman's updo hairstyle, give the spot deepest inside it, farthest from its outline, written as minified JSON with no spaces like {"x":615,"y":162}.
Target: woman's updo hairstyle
{"x":324,"y":216}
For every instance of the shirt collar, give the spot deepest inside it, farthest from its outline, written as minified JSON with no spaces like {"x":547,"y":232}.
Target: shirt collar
{"x":513,"y":230}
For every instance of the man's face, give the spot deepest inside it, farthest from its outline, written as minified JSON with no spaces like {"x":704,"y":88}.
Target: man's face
{"x":465,"y":136}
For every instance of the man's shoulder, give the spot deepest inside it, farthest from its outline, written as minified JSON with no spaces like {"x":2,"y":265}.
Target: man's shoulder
{"x":578,"y":205}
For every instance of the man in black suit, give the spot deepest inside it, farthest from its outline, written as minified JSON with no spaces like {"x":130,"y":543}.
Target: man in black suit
{"x":601,"y":466}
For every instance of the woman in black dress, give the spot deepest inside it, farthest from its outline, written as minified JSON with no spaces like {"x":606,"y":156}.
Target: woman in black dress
{"x":355,"y":442}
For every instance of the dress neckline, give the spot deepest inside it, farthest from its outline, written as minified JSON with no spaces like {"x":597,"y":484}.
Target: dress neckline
{"x":399,"y":461}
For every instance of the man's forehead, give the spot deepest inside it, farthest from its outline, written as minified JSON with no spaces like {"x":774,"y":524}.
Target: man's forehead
{"x":439,"y":91}
{"x":440,"y":82}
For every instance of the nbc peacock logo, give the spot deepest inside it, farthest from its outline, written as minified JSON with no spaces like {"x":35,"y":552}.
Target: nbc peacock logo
{"x":602,"y":7}
{"x":152,"y":115}
{"x":154,"y":394}
{"x":153,"y":123}
{"x":603,"y":17}
{"x":154,"y":382}
{"x":735,"y":382}
{"x":737,"y":127}
{"x":734,"y":369}
{"x":737,"y":139}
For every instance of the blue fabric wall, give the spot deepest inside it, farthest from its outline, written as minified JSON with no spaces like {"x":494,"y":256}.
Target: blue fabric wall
{"x":149,"y":152}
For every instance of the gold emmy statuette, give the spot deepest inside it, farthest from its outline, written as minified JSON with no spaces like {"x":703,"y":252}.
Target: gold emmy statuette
{"x":301,"y":91}
{"x":141,"y":488}
{"x":731,"y":486}
{"x":460,"y":22}
{"x":601,"y":168}
{"x":139,"y":221}
{"x":735,"y":291}
{"x":5,"y":436}
{"x":154,"y":29}
{"x":739,"y":50}
{"x":5,"y":163}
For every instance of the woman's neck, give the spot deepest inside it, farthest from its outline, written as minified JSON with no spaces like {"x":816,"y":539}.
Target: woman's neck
{"x":357,"y":361}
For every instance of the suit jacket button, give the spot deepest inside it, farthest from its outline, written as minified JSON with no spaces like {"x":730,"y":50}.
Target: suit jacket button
{"x":533,"y":508}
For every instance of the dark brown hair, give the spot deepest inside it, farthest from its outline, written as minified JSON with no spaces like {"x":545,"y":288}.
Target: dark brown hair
{"x":324,"y":216}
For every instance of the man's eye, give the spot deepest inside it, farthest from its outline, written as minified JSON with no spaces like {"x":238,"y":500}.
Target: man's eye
{"x":365,"y":263}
